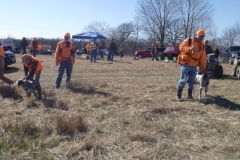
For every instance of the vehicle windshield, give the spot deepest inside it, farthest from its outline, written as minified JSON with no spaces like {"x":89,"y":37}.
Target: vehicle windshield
{"x":235,"y":48}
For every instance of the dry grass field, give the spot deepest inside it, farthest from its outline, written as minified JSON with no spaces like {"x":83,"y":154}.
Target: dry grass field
{"x":121,"y":110}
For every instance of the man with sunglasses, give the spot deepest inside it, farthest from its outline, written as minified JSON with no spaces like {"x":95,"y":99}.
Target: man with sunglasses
{"x":193,"y":54}
{"x":64,"y":58}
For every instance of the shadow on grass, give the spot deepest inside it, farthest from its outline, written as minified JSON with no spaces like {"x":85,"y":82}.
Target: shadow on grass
{"x":7,"y":91}
{"x":222,"y":102}
{"x":87,"y":91}
{"x":120,"y":61}
{"x":228,"y":77}
{"x":53,"y":103}
{"x":10,"y":70}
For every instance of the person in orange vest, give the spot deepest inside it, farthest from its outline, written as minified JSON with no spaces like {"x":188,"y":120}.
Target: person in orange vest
{"x":2,"y":77}
{"x":34,"y":46}
{"x":193,"y":54}
{"x":153,"y":51}
{"x":88,"y":50}
{"x":65,"y":58}
{"x":32,"y":66}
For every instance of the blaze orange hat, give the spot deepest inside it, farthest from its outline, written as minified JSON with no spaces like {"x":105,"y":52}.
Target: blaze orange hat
{"x":201,"y":32}
{"x":67,"y":34}
{"x":25,"y":57}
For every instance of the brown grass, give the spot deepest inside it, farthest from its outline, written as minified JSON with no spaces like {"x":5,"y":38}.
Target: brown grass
{"x":120,"y":110}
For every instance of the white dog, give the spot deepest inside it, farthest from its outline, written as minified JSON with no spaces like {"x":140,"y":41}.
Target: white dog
{"x":203,"y":81}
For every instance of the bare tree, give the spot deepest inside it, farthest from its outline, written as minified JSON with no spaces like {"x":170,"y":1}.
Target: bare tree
{"x":174,"y":35}
{"x":195,"y":14}
{"x":156,"y":16}
{"x":230,"y":35}
{"x":137,"y":29}
{"x":99,"y":27}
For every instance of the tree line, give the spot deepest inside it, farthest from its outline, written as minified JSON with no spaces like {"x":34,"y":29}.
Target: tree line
{"x":162,"y":22}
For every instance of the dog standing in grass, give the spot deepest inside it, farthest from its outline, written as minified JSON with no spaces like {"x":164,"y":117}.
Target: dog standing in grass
{"x":32,"y":66}
{"x":28,"y":86}
{"x":203,"y":81}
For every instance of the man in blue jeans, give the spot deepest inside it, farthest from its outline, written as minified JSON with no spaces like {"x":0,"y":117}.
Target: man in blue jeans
{"x":93,"y":53}
{"x":65,"y":58}
{"x":112,"y":49}
{"x":192,"y":55}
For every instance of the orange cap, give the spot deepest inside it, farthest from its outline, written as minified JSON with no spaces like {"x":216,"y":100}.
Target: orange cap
{"x":201,"y":32}
{"x":67,"y":34}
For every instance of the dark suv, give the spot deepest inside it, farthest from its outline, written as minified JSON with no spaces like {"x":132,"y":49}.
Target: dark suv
{"x":229,"y":53}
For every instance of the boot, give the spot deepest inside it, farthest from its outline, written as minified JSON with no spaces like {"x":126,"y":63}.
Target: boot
{"x":190,"y":97}
{"x":39,"y":91}
{"x":179,"y":95}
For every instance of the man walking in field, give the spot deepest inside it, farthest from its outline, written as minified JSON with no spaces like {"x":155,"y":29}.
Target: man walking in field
{"x":192,"y":54}
{"x":34,"y":46}
{"x":112,"y":49}
{"x":24,"y":45}
{"x":93,"y":53}
{"x":65,"y":58}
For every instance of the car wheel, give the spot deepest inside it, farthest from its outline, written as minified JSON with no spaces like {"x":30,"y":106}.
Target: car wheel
{"x":140,"y":56}
{"x":238,"y":72}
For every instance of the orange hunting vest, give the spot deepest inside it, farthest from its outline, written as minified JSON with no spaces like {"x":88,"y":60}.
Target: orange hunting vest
{"x":39,"y":66}
{"x":1,"y":52}
{"x":64,"y":52}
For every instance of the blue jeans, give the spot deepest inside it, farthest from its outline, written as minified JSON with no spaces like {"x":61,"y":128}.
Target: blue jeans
{"x":188,"y":75}
{"x":111,"y":55}
{"x":62,"y":66}
{"x":37,"y":80}
{"x":153,"y":56}
{"x":93,"y":55}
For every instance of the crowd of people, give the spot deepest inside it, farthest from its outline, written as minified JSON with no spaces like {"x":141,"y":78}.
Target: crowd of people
{"x":35,"y":47}
{"x":193,"y":54}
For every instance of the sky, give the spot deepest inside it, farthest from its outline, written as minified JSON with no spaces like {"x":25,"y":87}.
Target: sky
{"x":53,"y":18}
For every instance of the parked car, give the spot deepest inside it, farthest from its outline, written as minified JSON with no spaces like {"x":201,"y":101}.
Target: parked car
{"x":9,"y":58}
{"x":171,"y":52}
{"x":229,"y":53}
{"x":146,"y":52}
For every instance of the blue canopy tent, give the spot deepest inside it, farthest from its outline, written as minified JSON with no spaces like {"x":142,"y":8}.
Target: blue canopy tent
{"x":89,"y":35}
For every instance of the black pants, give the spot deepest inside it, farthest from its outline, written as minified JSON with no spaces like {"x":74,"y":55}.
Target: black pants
{"x":34,"y":52}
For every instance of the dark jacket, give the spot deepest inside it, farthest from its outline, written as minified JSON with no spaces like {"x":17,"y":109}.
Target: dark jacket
{"x":216,"y":52}
{"x":112,"y":46}
{"x":208,"y":49}
{"x":24,"y":43}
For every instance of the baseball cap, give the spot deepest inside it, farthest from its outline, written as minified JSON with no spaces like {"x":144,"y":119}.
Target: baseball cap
{"x":200,"y":32}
